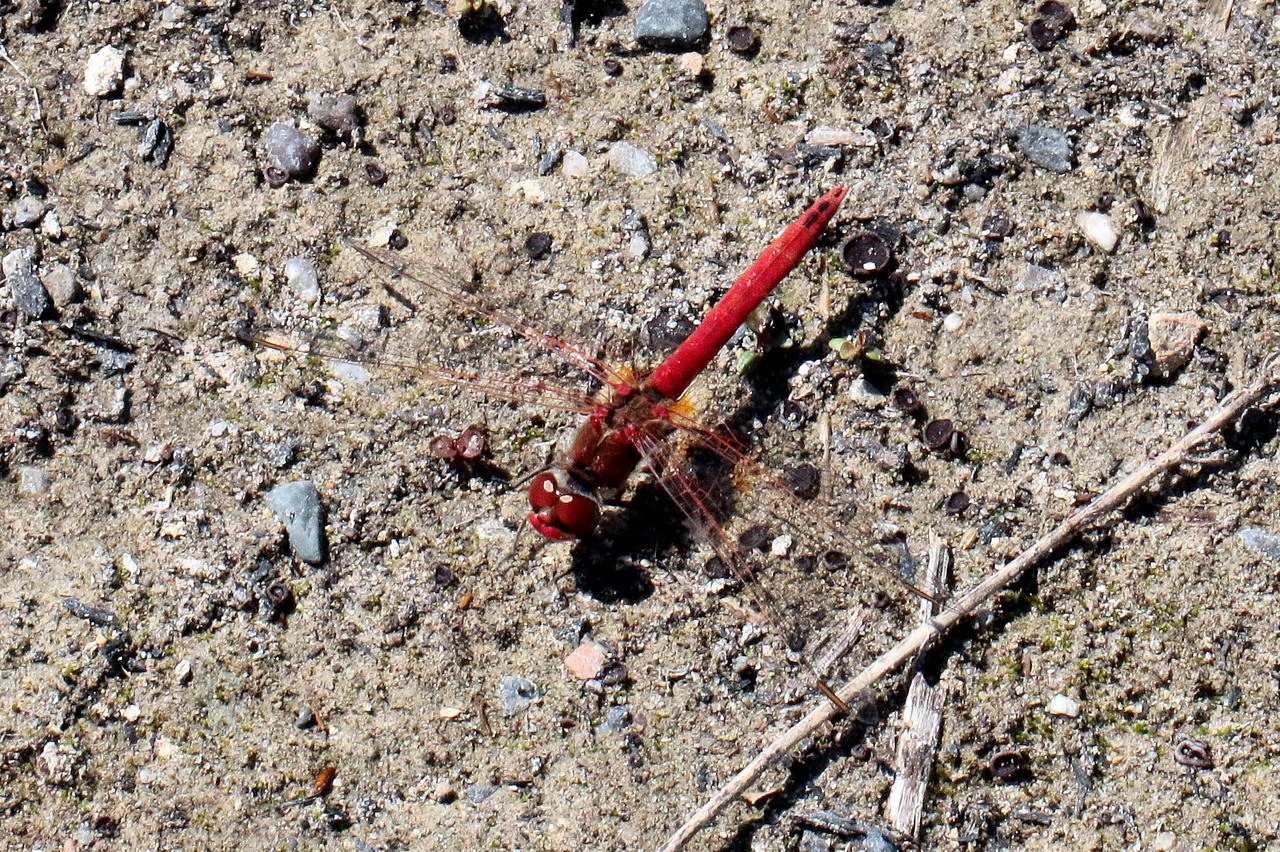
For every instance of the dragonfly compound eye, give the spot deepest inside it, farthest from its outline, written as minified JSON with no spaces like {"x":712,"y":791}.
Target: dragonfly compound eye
{"x":560,"y":514}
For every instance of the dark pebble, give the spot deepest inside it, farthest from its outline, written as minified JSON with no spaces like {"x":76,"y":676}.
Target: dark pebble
{"x":997,"y":226}
{"x":336,"y":113}
{"x":291,"y":151}
{"x":1052,"y":22}
{"x":672,"y":25}
{"x":397,"y":241}
{"x":956,"y":503}
{"x":517,"y":98}
{"x":375,"y":174}
{"x":612,"y":67}
{"x":537,"y":245}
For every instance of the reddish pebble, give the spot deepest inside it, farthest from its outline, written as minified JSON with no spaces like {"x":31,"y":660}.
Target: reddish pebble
{"x":586,"y":662}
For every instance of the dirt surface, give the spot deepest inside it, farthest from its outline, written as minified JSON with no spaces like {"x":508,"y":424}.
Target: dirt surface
{"x":201,"y":680}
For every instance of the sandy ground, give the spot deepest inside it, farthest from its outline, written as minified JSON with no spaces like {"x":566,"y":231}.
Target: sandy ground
{"x":175,"y":706}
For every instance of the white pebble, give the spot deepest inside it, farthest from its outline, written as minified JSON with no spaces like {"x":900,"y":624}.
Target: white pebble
{"x":952,"y":322}
{"x":841,"y":138}
{"x":1061,"y":705}
{"x":104,"y":72}
{"x":1098,"y":229}
{"x":575,"y":164}
{"x":781,"y":545}
{"x":532,"y":190}
{"x":32,"y":480}
{"x":302,"y":276}
{"x":246,"y":264}
{"x":631,"y":160}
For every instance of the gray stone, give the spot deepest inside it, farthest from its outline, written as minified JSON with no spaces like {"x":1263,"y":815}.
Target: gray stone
{"x":674,"y":25}
{"x":1261,"y":541}
{"x":297,"y":505}
{"x":1046,"y":147}
{"x":516,"y":693}
{"x":29,"y":295}
{"x":616,"y":719}
{"x":337,"y":113}
{"x":60,"y":283}
{"x":290,"y":150}
{"x":32,"y":480}
{"x":28,"y":212}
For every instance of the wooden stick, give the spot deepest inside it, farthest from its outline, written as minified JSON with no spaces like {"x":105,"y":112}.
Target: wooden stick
{"x":921,"y":716}
{"x":922,"y":636}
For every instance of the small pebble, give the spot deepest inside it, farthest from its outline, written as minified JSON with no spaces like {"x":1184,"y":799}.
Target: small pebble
{"x":182,"y":671}
{"x":336,"y":113}
{"x":1061,"y":705}
{"x":300,"y":272}
{"x":837,"y":137}
{"x":32,"y":480}
{"x":281,"y":455}
{"x":51,"y":225}
{"x":1260,"y":541}
{"x":516,"y":693}
{"x":537,"y":245}
{"x":672,"y":25}
{"x":866,"y":394}
{"x":29,"y":295}
{"x":297,"y":505}
{"x":1046,"y":147}
{"x":952,"y":322}
{"x":1098,"y":229}
{"x":691,"y":63}
{"x":28,"y":212}
{"x":445,"y":793}
{"x":290,"y":150}
{"x":10,"y":371}
{"x":550,"y":160}
{"x":587,"y":661}
{"x":131,"y":713}
{"x":104,"y":72}
{"x":1173,"y":339}
{"x":477,"y":793}
{"x":246,"y":264}
{"x":616,"y":719}
{"x":631,"y":160}
{"x":575,"y":164}
{"x":305,"y":719}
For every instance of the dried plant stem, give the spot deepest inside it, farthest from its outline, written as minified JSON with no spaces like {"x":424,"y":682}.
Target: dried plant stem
{"x":914,"y":642}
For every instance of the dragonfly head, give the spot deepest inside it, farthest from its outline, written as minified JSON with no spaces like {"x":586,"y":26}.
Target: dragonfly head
{"x":561,"y":513}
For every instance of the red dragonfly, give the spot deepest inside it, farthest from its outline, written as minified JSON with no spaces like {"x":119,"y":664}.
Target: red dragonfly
{"x":630,"y":419}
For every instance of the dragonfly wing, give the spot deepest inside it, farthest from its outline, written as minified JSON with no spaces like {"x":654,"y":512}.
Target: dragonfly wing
{"x":822,"y":588}
{"x":331,"y":350}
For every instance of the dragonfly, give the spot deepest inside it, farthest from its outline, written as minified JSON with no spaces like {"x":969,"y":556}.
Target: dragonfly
{"x":629,"y":422}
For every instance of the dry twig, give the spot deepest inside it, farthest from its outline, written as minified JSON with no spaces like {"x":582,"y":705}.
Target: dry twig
{"x":1115,"y":497}
{"x":921,"y":717}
